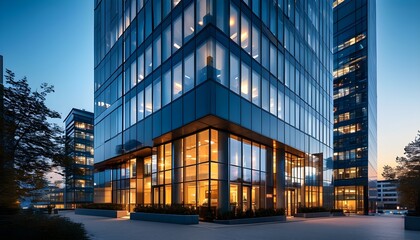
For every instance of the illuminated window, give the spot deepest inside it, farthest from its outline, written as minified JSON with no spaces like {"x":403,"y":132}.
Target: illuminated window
{"x":256,"y":43}
{"x":234,"y":23}
{"x":234,"y":73}
{"x":245,"y":81}
{"x":177,"y":81}
{"x":245,"y":34}
{"x":188,"y":23}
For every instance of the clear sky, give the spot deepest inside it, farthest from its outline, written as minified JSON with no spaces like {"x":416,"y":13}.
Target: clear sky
{"x":52,"y":41}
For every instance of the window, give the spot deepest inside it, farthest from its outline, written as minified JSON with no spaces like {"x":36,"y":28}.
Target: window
{"x":235,"y":157}
{"x":140,"y":105}
{"x":148,"y":100}
{"x":190,"y":150}
{"x":246,"y":154}
{"x":157,"y":12}
{"x":204,"y":55}
{"x":166,"y":88}
{"x":256,"y":79}
{"x":280,"y":112}
{"x":133,"y":109}
{"x":234,"y":73}
{"x":245,"y":34}
{"x":157,"y":51}
{"x":133,"y":74}
{"x":201,"y":14}
{"x":265,"y":49}
{"x":273,"y":99}
{"x":221,"y":64}
{"x":234,"y":23}
{"x":189,"y":23}
{"x":177,"y":34}
{"x":140,"y":68}
{"x":166,"y":43}
{"x":265,"y":94}
{"x":157,"y":92}
{"x":256,"y":43}
{"x":177,"y":81}
{"x":273,"y":59}
{"x":189,"y":72}
{"x":245,"y":81}
{"x":148,"y":60}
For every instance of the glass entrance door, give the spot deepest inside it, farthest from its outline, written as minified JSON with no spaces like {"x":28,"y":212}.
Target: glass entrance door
{"x":291,"y":204}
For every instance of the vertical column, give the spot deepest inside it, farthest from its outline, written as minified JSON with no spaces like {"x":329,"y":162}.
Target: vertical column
{"x":280,"y":170}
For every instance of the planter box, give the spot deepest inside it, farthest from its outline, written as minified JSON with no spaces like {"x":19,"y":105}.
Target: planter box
{"x":313,"y":215}
{"x":412,"y":223}
{"x":338,"y":214}
{"x":166,"y":218}
{"x":252,"y":220}
{"x":101,"y":213}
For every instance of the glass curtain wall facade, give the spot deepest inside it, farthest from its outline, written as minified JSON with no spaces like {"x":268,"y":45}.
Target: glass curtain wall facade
{"x":213,"y":103}
{"x":355,"y":144}
{"x":79,"y":146}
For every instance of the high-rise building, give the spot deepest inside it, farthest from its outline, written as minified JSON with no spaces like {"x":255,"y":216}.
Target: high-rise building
{"x":214,"y":104}
{"x":79,"y":146}
{"x":355,"y":146}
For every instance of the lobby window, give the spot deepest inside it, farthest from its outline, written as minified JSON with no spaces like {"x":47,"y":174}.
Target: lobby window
{"x":221,"y":64}
{"x":246,"y":155}
{"x":140,"y":68}
{"x":157,"y":51}
{"x":203,"y":146}
{"x":255,"y":156}
{"x":166,"y":43}
{"x":166,"y":88}
{"x":148,"y":100}
{"x":190,"y":150}
{"x":256,"y":80}
{"x":140,"y":105}
{"x":234,"y":73}
{"x":189,"y":23}
{"x":245,"y":34}
{"x":189,"y":72}
{"x":256,"y":43}
{"x":235,"y":153}
{"x":177,"y":81}
{"x":148,"y":60}
{"x":234,"y":23}
{"x":177,"y":34}
{"x":245,"y":81}
{"x":157,"y":92}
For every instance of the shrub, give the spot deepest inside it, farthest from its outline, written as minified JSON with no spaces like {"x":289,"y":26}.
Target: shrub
{"x":168,"y":209}
{"x":311,"y":209}
{"x":36,"y":226}
{"x":104,"y":206}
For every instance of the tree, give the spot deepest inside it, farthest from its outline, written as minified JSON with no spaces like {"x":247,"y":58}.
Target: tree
{"x":408,"y":174}
{"x":388,"y":173}
{"x":29,"y":145}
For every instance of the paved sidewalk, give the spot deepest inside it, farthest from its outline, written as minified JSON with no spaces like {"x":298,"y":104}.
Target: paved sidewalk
{"x":342,"y":228}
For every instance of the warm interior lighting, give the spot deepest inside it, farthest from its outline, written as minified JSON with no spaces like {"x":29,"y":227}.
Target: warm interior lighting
{"x":337,"y":2}
{"x":351,"y":41}
{"x":233,"y":36}
{"x":200,"y":23}
{"x":244,"y":87}
{"x":231,"y":21}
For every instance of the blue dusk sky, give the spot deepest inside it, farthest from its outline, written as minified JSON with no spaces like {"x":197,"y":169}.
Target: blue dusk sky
{"x":52,"y":41}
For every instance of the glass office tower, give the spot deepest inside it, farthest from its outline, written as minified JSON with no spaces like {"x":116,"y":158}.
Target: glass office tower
{"x":214,"y":104}
{"x":79,"y":146}
{"x":355,"y":147}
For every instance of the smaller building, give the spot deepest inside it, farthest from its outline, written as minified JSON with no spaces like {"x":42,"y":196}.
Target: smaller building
{"x":388,"y":196}
{"x":79,"y":146}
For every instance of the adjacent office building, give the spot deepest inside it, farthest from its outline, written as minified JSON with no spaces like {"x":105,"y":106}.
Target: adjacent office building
{"x":79,"y":146}
{"x":388,"y":196}
{"x":355,"y":144}
{"x":214,"y":104}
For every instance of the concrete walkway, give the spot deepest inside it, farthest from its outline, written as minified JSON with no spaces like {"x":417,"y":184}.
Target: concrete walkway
{"x":342,"y":228}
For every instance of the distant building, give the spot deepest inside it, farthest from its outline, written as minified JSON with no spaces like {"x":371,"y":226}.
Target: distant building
{"x":388,"y":196}
{"x":355,"y":108}
{"x":79,"y":145}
